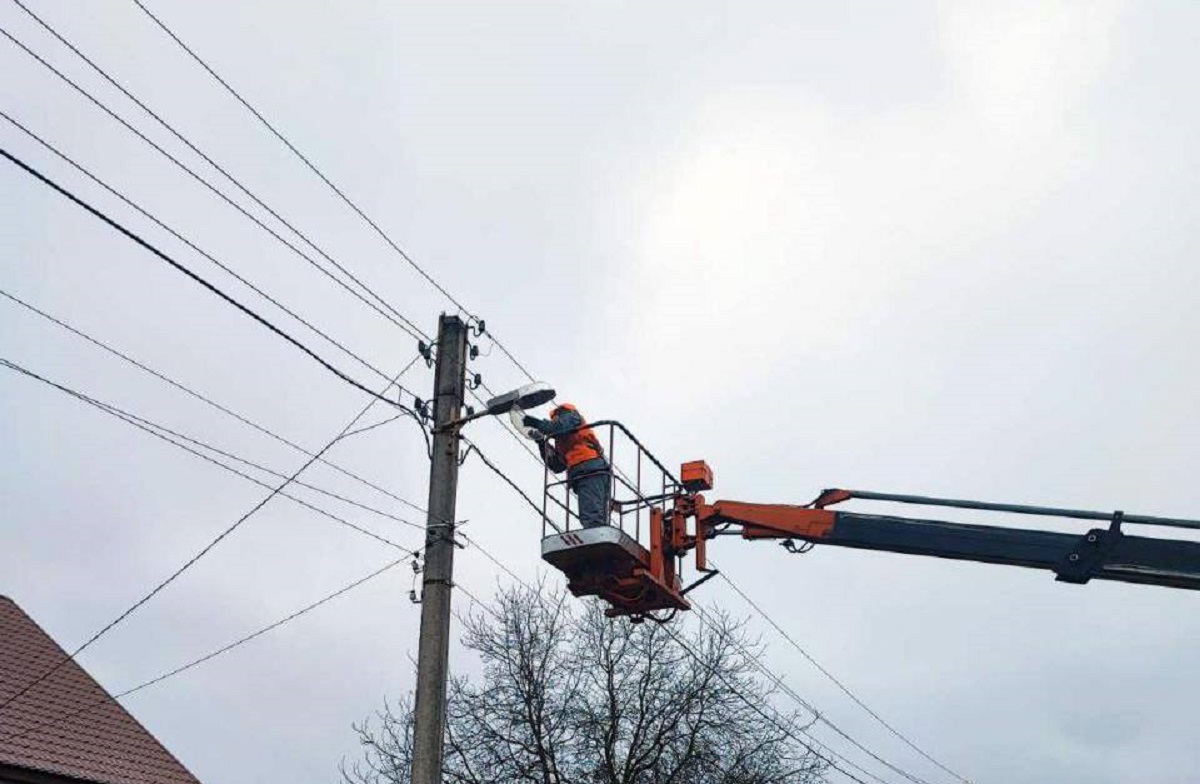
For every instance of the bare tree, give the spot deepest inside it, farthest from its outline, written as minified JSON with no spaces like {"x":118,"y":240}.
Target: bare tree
{"x":568,"y":696}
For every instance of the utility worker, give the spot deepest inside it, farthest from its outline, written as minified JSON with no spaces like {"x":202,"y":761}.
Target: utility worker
{"x":577,"y":451}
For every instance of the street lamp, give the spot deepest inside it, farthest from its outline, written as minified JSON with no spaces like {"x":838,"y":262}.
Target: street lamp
{"x":528,"y":396}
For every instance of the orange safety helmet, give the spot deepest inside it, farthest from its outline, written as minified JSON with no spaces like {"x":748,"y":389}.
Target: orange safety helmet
{"x":578,"y":447}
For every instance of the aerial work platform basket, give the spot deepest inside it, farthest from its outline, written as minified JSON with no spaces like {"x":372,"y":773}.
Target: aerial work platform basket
{"x":607,"y":562}
{"x":623,"y":562}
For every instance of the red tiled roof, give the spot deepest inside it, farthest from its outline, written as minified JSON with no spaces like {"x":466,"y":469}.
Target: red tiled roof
{"x":68,"y":724}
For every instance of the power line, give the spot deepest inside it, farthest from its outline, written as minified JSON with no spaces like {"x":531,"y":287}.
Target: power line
{"x":109,"y":408}
{"x":520,"y":441}
{"x":212,"y":403}
{"x":180,"y":441}
{"x":806,"y":744}
{"x":509,"y":481}
{"x":818,"y":716}
{"x":279,"y":135}
{"x":403,"y":254}
{"x":775,"y":721}
{"x":505,"y":351}
{"x":845,"y":689}
{"x":124,"y":91}
{"x":277,"y":474}
{"x":51,"y":723}
{"x":312,"y":167}
{"x":191,"y":561}
{"x":530,"y":502}
{"x":496,"y":561}
{"x":778,"y":680}
{"x":103,"y":107}
{"x":226,"y":268}
{"x":197,"y":278}
{"x":315,"y":170}
{"x":524,"y":444}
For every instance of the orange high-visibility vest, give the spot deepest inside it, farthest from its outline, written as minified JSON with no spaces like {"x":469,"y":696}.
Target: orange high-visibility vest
{"x":578,"y":447}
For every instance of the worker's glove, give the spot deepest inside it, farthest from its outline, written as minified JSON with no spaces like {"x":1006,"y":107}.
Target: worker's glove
{"x":517,"y":417}
{"x":531,"y":429}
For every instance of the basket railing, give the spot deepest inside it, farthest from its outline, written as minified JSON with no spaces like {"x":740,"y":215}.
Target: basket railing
{"x":638,"y":482}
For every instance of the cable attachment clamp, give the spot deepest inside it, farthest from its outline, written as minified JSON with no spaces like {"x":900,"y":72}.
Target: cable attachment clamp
{"x":1090,"y":552}
{"x":422,"y":409}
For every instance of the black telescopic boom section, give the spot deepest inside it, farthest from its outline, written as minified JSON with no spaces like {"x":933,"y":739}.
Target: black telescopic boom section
{"x":1046,"y":511}
{"x":1101,"y":554}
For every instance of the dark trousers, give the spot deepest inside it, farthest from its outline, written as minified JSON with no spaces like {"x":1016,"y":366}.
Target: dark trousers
{"x":592,"y":487}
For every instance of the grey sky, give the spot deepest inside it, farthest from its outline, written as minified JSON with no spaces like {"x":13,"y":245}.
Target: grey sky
{"x":940,"y":248}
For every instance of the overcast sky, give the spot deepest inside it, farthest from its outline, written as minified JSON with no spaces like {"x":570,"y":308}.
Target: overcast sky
{"x":930,"y":248}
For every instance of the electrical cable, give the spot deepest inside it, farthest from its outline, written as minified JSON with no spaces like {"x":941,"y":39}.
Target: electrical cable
{"x":217,"y":450}
{"x":775,"y":721}
{"x":757,"y":708}
{"x":369,"y":428}
{"x":416,"y":335}
{"x":818,"y":716}
{"x":124,"y":91}
{"x":778,"y":680}
{"x":496,"y":561}
{"x":213,"y":404}
{"x":197,"y":556}
{"x":224,"y":267}
{"x":179,"y":440}
{"x":208,"y":401}
{"x":521,"y":442}
{"x":106,"y":700}
{"x":496,"y":470}
{"x":312,"y":167}
{"x":258,"y":466}
{"x":315,"y":170}
{"x":845,"y":689}
{"x":404,"y":255}
{"x":198,"y":279}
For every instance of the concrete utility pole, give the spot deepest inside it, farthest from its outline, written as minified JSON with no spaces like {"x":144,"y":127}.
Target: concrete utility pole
{"x":434,"y":652}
